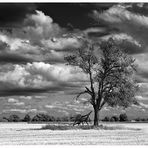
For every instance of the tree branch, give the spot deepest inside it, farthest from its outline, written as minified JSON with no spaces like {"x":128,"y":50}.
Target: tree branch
{"x":102,"y":104}
{"x":88,"y":90}
{"x":81,"y":93}
{"x":91,"y":80}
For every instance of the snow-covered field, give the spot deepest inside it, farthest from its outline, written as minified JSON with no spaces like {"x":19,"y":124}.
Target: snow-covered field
{"x":23,"y":133}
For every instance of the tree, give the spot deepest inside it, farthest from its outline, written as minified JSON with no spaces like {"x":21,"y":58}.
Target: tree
{"x":58,"y":119}
{"x":41,"y":117}
{"x":27,"y":118}
{"x":65,"y":118}
{"x":114,"y":118}
{"x":106,"y":119}
{"x":110,"y":74}
{"x":123,"y":117}
{"x":13,"y":118}
{"x":138,"y":119}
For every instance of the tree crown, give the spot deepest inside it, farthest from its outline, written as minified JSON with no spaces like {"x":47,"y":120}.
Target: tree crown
{"x":110,"y":72}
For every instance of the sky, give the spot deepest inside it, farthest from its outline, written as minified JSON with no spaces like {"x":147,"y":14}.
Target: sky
{"x":35,"y":38}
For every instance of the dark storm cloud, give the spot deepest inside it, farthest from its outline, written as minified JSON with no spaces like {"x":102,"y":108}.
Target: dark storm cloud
{"x":69,"y":15}
{"x":9,"y":89}
{"x":22,"y":91}
{"x":13,"y":58}
{"x":131,"y":48}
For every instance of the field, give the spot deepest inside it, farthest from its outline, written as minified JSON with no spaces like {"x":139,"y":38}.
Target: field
{"x":32,"y":134}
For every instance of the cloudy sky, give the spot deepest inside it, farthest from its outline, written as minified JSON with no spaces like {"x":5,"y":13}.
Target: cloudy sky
{"x":35,"y":37}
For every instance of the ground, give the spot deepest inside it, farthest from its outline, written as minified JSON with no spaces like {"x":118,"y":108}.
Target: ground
{"x":23,"y":133}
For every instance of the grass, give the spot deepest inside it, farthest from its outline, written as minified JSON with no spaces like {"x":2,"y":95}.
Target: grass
{"x":83,"y":127}
{"x":24,"y":134}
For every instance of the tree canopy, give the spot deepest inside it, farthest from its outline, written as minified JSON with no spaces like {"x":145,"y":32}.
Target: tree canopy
{"x":110,"y":71}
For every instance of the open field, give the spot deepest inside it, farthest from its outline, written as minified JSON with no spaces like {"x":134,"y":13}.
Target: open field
{"x":23,"y":133}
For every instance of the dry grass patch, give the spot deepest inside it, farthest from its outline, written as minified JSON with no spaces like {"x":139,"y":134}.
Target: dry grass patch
{"x":84,"y":127}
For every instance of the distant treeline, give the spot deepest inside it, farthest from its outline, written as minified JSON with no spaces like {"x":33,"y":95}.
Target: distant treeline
{"x":37,"y":118}
{"x":123,"y":118}
{"x":47,"y":118}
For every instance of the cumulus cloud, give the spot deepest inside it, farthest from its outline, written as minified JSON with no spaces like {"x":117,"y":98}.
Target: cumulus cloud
{"x":39,"y":26}
{"x":14,"y":43}
{"x":56,"y":72}
{"x":15,"y":77}
{"x":16,"y":50}
{"x":124,"y":21}
{"x":39,"y":39}
{"x":40,"y":77}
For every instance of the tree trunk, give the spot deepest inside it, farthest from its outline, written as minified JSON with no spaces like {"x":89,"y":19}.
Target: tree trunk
{"x":96,"y":116}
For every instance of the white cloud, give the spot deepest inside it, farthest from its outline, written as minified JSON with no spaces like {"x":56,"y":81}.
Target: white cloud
{"x":141,"y":98}
{"x":34,"y":110}
{"x":15,"y":110}
{"x":127,"y":22}
{"x":16,"y":76}
{"x":39,"y":26}
{"x":83,"y":99}
{"x":144,"y":105}
{"x":26,"y":97}
{"x":12,"y":100}
{"x":50,"y":106}
{"x":42,"y":40}
{"x":13,"y":43}
{"x":55,"y":72}
{"x":62,"y":43}
{"x":18,"y":45}
{"x":15,"y":102}
{"x":19,"y":103}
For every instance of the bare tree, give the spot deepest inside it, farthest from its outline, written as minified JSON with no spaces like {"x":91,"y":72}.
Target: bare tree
{"x":110,"y":75}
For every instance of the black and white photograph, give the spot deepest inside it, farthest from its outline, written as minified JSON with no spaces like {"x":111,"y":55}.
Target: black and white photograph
{"x":73,"y":73}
